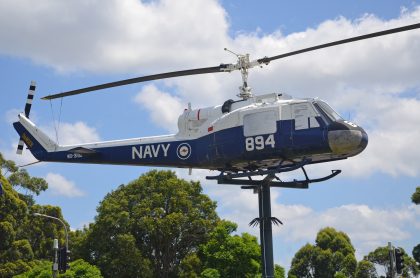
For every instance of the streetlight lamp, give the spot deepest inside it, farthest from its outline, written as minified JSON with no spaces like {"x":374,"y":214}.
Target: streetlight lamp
{"x":61,"y":221}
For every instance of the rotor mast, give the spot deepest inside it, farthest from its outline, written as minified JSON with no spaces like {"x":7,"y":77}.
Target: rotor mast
{"x":243,"y":65}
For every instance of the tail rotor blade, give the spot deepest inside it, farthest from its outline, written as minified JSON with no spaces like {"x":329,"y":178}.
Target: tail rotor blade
{"x":19,"y":149}
{"x":30,"y":98}
{"x":28,"y":106}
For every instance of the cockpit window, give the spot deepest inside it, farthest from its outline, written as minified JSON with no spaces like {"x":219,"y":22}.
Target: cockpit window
{"x":328,"y":111}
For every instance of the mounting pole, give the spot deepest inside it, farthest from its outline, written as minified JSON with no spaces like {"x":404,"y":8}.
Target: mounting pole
{"x":262,"y":187}
{"x":266,"y":234}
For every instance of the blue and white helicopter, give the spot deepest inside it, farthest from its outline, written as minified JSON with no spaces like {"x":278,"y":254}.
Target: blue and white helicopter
{"x":255,"y":135}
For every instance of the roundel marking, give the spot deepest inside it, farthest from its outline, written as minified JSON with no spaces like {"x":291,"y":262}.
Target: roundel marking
{"x":183,"y":151}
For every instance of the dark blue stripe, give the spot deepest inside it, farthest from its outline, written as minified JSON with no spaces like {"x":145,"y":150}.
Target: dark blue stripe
{"x":216,"y":150}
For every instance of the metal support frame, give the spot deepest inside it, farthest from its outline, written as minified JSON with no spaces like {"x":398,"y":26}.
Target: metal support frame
{"x":262,"y":187}
{"x":266,"y":235}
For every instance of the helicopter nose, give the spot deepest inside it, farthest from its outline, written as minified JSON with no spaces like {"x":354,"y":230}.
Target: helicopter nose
{"x":346,"y":138}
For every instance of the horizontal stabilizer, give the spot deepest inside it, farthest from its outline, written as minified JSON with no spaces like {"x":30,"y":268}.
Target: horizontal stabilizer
{"x":84,"y":151}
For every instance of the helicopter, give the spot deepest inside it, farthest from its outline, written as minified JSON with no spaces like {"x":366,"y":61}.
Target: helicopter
{"x":250,"y":136}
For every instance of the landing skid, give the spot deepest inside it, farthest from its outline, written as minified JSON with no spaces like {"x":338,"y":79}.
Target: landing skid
{"x":234,"y":178}
{"x":262,"y":187}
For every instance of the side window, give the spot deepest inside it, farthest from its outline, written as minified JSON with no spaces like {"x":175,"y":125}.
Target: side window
{"x":300,"y":112}
{"x":304,"y":116}
{"x":260,"y":123}
{"x":313,"y":122}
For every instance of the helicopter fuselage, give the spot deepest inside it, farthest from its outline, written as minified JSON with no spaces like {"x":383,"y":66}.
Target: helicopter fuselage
{"x":256,"y":133}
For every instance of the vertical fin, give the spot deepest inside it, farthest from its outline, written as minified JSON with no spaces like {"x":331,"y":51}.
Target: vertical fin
{"x":28,"y":105}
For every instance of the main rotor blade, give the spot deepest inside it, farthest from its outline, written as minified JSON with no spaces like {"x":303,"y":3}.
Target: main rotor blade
{"x":137,"y":80}
{"x":266,"y":60}
{"x":225,"y":67}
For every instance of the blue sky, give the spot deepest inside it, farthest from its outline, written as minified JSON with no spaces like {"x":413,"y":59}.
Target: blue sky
{"x":66,"y":45}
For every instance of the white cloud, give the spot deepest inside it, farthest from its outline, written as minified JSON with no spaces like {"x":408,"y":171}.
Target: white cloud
{"x":365,"y":225}
{"x":368,"y":79}
{"x":11,"y":115}
{"x":391,"y":123}
{"x":368,"y":227}
{"x":364,"y":78}
{"x":59,"y":185}
{"x":162,"y":106}
{"x":25,"y":158}
{"x":69,"y":134}
{"x":112,"y":35}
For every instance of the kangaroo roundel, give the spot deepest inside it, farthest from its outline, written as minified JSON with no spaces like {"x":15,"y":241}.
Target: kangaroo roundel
{"x":183,"y":151}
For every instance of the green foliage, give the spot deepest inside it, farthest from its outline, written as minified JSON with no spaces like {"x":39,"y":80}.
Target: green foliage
{"x":232,"y":256}
{"x":190,"y":266}
{"x":340,"y":275}
{"x":23,"y":237}
{"x":279,"y":271}
{"x":365,"y":269}
{"x":416,"y":196}
{"x":332,"y":255}
{"x":78,"y":269}
{"x":8,"y":165}
{"x":411,"y":269}
{"x":303,"y":262}
{"x":158,"y":218}
{"x":380,"y":257}
{"x":21,"y":178}
{"x":416,"y":253}
{"x":210,"y":273}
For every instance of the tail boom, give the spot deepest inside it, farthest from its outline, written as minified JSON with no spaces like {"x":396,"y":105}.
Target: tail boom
{"x":37,"y":142}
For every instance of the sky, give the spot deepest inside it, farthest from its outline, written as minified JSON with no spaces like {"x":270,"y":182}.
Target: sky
{"x":65,"y":45}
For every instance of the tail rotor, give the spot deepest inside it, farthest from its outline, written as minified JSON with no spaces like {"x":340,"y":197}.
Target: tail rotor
{"x":29,"y":99}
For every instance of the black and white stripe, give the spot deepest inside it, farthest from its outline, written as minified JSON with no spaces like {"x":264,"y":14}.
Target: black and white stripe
{"x":29,"y":99}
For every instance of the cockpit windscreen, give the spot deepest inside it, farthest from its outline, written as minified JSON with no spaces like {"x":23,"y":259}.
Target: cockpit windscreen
{"x":328,"y":111}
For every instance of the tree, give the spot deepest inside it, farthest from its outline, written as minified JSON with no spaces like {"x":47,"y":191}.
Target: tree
{"x":161,"y":220}
{"x":380,"y":257}
{"x":365,"y":269}
{"x":24,"y":239}
{"x":332,"y":256}
{"x":78,"y":269}
{"x":416,"y":196}
{"x":19,"y":178}
{"x":231,"y":255}
{"x":8,"y":165}
{"x":416,"y":253}
{"x":303,"y":262}
{"x":15,"y":250}
{"x":278,"y":271}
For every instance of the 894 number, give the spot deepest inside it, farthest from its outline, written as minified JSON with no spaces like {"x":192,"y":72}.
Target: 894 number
{"x":259,"y":143}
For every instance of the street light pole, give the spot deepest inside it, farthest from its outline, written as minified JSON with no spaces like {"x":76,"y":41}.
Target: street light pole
{"x":55,"y":263}
{"x":61,"y":221}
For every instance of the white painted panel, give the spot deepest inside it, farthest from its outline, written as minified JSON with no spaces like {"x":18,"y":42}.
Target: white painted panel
{"x":260,"y":123}
{"x":300,"y":112}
